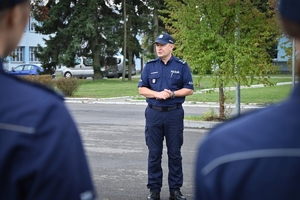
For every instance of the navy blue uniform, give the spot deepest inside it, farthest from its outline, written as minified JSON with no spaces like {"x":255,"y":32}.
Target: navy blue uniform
{"x":255,"y":156}
{"x":41,"y":154}
{"x":164,"y":118}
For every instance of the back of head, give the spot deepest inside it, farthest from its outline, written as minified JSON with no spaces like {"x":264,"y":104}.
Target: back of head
{"x":4,"y":4}
{"x":290,"y":17}
{"x":14,"y":15}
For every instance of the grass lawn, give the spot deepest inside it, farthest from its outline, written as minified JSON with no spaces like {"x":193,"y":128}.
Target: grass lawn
{"x":107,"y":88}
{"x":265,"y":95}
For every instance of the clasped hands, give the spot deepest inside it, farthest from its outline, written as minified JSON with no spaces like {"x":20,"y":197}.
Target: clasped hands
{"x":163,"y":95}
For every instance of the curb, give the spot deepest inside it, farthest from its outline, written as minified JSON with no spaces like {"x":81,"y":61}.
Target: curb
{"x":127,"y":100}
{"x":200,"y":124}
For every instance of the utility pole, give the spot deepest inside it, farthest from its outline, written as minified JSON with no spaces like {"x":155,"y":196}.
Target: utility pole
{"x":293,"y":67}
{"x":238,"y":91}
{"x":125,"y":44}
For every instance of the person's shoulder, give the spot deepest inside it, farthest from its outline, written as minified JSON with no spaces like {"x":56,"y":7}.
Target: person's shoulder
{"x":249,"y":123}
{"x":45,"y":91}
{"x":181,"y":61}
{"x":33,"y":90}
{"x":152,"y":60}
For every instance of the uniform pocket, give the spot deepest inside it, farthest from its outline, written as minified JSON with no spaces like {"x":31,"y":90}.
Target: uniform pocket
{"x":176,"y":80}
{"x":154,"y":80}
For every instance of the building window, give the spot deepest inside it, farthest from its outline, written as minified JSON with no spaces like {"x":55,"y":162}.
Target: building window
{"x":32,"y":23}
{"x":18,"y":55}
{"x":32,"y":57}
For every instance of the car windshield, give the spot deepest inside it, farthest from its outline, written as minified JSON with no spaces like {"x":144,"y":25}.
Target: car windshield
{"x":88,"y":61}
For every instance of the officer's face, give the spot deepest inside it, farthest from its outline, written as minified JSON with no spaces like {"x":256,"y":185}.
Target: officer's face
{"x":164,"y":50}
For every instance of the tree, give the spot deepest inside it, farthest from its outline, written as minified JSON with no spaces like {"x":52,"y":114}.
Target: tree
{"x":136,"y":22}
{"x":230,"y":38}
{"x":78,"y":28}
{"x":155,"y":26}
{"x":51,"y":23}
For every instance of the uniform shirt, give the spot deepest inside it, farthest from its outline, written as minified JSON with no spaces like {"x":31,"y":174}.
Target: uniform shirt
{"x":41,"y":154}
{"x":173,"y":76}
{"x":255,"y":156}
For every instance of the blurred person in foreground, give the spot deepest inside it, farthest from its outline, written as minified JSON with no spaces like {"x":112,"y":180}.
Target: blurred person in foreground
{"x":256,"y":156}
{"x":41,"y":154}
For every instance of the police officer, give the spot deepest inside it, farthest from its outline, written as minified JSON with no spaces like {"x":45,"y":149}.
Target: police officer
{"x":256,"y":156}
{"x":41,"y":155}
{"x":165,"y":81}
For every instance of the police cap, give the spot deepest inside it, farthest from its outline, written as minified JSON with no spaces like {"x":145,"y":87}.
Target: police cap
{"x":290,"y":9}
{"x":9,"y":3}
{"x":165,"y":39}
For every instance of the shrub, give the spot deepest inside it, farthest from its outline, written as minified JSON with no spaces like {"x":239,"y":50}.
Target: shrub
{"x":68,"y":86}
{"x":45,"y":80}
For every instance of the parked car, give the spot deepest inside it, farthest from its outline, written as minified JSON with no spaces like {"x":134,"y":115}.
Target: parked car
{"x":109,"y":66}
{"x":84,"y":68}
{"x":26,"y":69}
{"x":120,"y":66}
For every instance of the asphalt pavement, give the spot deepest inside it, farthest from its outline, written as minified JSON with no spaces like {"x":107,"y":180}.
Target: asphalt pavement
{"x":117,"y":152}
{"x":187,"y":123}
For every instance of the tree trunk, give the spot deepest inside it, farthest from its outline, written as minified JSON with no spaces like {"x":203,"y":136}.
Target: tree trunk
{"x":142,"y":62}
{"x":155,"y":23}
{"x":129,"y":64}
{"x":96,"y":64}
{"x":221,"y":103}
{"x":125,"y":44}
{"x":96,"y":59}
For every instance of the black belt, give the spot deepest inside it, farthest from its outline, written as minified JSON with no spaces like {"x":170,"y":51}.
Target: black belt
{"x":165,"y":108}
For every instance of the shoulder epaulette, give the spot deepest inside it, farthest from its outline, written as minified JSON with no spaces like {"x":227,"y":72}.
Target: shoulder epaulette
{"x":180,"y":61}
{"x":152,"y":60}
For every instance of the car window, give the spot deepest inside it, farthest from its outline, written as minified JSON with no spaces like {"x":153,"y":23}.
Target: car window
{"x":27,"y":67}
{"x":19,"y":68}
{"x":88,"y":61}
{"x":77,"y":61}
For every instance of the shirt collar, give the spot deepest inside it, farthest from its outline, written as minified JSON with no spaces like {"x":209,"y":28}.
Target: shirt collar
{"x":170,"y":60}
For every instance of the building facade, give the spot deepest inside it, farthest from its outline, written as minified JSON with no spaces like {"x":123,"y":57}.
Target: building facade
{"x":282,"y":60}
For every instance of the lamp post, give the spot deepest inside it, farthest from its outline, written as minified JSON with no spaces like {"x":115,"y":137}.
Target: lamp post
{"x":293,"y":64}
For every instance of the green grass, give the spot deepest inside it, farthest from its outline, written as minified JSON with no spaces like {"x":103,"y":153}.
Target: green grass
{"x":108,"y":88}
{"x":206,"y":82}
{"x":194,"y":118}
{"x":265,"y":95}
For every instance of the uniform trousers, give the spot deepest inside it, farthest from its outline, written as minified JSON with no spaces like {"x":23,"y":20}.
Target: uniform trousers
{"x":160,"y":125}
